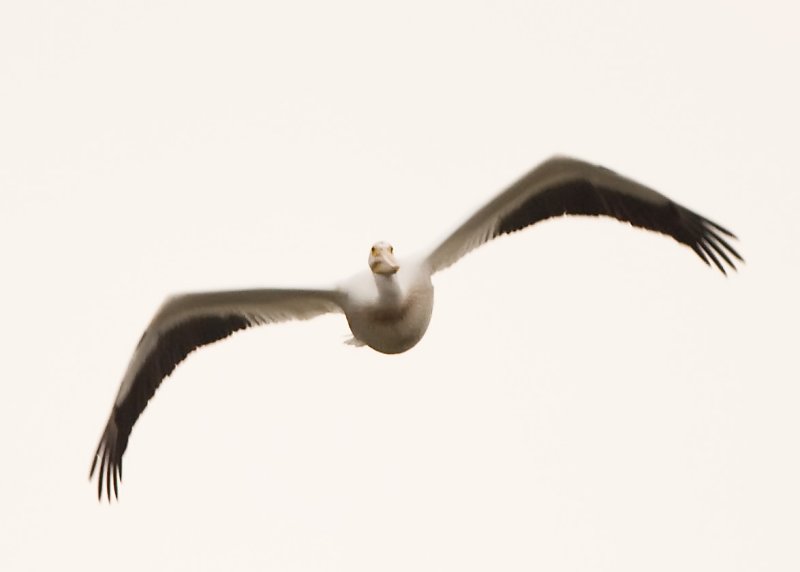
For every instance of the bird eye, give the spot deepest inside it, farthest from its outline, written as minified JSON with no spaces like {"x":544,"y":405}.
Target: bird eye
{"x":373,"y":251}
{"x":391,"y":249}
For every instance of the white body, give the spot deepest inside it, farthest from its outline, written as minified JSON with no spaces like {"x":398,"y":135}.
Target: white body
{"x":390,"y":313}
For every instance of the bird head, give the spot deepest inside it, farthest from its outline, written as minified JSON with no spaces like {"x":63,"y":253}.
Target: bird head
{"x":381,"y":259}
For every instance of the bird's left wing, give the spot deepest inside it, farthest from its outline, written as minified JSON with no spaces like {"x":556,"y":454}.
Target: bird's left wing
{"x":183,"y":324}
{"x":565,"y":186}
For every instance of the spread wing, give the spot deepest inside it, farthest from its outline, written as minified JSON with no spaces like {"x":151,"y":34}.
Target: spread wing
{"x":565,"y":186}
{"x":183,"y":324}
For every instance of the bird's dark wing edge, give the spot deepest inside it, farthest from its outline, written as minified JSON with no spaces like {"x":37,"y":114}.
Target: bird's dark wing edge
{"x":568,"y":186}
{"x":171,"y":348}
{"x":582,"y":197}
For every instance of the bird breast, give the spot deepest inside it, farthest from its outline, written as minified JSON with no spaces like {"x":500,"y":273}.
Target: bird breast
{"x":392,"y":316}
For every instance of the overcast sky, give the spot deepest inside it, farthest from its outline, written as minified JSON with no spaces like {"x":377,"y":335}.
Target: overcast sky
{"x":588,"y":397}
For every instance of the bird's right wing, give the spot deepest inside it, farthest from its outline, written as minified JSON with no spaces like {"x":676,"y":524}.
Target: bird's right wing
{"x":183,"y":324}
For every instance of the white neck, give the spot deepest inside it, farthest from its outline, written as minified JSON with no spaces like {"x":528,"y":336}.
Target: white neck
{"x":388,"y":287}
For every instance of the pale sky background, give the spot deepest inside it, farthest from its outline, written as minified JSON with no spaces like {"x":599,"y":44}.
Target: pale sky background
{"x":588,"y":397}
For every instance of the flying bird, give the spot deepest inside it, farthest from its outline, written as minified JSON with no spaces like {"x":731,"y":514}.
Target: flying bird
{"x":388,"y":308}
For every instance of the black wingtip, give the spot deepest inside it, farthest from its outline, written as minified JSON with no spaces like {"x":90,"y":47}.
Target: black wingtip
{"x":100,"y":476}
{"x":706,"y":246}
{"x":713,"y":239}
{"x":699,"y":253}
{"x":108,"y":477}
{"x":717,"y":248}
{"x":94,"y":461}
{"x":724,"y":244}
{"x":108,"y":468}
{"x":720,"y":228}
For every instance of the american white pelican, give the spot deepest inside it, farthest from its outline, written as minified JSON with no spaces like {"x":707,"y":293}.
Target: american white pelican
{"x":389,"y":307}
